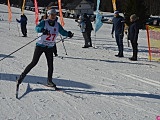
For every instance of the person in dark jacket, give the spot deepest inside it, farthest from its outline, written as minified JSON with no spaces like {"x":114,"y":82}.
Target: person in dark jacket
{"x":118,"y":27}
{"x":86,"y":28}
{"x":23,"y":22}
{"x":133,"y":32}
{"x":87,"y":32}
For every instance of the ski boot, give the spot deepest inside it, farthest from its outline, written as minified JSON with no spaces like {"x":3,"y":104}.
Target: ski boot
{"x":20,"y":79}
{"x":50,"y":83}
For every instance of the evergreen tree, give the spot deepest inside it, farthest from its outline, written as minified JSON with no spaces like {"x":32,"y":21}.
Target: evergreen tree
{"x":135,"y":7}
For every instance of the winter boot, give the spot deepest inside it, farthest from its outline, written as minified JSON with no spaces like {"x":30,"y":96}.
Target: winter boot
{"x":135,"y":52}
{"x":50,"y":83}
{"x":133,"y":59}
{"x":20,"y":79}
{"x":119,"y":55}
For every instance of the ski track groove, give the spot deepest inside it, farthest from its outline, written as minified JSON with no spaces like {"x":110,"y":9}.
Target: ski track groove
{"x":11,"y":106}
{"x":142,"y":79}
{"x":34,"y":107}
{"x":22,"y":105}
{"x":67,"y":103}
{"x":125,"y":103}
{"x":132,"y":106}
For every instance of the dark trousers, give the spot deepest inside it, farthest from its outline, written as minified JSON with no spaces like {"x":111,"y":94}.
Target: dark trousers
{"x":135,"y":48}
{"x":119,"y":41}
{"x":55,"y":49}
{"x":87,"y":38}
{"x":37,"y":53}
{"x":24,"y":30}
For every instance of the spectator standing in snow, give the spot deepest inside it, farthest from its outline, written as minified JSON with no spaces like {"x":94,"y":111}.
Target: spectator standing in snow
{"x":23,"y":22}
{"x":48,"y":30}
{"x":86,"y":28}
{"x":118,"y":27}
{"x":133,"y":32}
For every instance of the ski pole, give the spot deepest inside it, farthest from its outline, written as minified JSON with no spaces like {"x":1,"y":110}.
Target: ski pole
{"x":61,"y":40}
{"x":20,"y":48}
{"x":18,"y":29}
{"x":128,"y":43}
{"x":63,"y":44}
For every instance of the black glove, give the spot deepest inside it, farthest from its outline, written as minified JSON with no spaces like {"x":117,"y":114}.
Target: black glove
{"x":112,"y":35}
{"x":45,"y":31}
{"x":70,"y":34}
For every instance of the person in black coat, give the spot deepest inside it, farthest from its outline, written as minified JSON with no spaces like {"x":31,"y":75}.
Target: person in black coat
{"x":87,"y":33}
{"x":118,"y":28}
{"x":133,"y":32}
{"x":23,"y":22}
{"x":86,"y":29}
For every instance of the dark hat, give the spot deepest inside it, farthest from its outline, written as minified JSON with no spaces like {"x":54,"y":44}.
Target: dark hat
{"x":116,"y":12}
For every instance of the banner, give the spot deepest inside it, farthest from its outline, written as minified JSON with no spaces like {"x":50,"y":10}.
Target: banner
{"x":60,"y":13}
{"x":114,"y":5}
{"x":9,"y":12}
{"x":98,"y":22}
{"x":98,"y":3}
{"x":24,"y":1}
{"x":36,"y":12}
{"x":153,"y":36}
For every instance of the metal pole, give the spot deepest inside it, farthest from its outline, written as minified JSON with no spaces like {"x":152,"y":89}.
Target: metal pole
{"x":20,"y":48}
{"x":63,"y":44}
{"x":18,"y":29}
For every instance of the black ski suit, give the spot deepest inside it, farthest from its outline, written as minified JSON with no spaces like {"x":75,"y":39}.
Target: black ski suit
{"x":23,"y":22}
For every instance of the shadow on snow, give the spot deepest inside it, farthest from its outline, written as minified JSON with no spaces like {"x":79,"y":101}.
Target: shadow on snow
{"x":113,"y":93}
{"x":69,"y":83}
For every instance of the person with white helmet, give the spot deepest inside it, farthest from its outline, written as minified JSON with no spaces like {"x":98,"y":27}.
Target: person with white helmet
{"x":48,"y":31}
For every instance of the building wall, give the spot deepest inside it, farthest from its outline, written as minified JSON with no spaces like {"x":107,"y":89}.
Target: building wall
{"x":29,"y":3}
{"x":83,"y":7}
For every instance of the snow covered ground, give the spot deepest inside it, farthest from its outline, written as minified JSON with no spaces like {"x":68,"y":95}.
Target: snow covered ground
{"x":97,"y":85}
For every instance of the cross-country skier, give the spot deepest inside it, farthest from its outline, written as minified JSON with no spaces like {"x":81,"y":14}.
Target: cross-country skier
{"x":48,"y":30}
{"x":44,"y":17}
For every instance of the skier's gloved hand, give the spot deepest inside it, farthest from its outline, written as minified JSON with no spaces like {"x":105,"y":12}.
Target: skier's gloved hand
{"x":45,"y":31}
{"x":70,"y":34}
